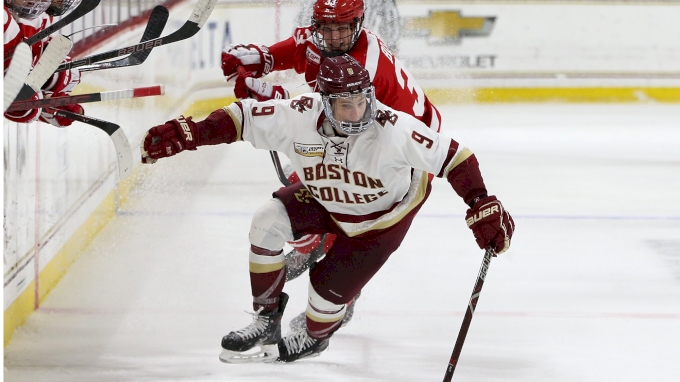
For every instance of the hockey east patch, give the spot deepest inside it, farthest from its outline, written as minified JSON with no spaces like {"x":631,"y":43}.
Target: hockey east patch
{"x":309,"y":150}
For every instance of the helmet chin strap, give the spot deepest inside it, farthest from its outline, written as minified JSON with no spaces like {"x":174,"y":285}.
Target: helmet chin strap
{"x":330,"y":130}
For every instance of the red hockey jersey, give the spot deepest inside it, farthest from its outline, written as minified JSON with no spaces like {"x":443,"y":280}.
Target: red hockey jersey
{"x":394,"y":85}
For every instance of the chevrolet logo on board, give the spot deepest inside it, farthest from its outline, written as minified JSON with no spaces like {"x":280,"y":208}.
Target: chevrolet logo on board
{"x":447,"y":27}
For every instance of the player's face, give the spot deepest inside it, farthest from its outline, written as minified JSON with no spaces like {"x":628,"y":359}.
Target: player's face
{"x":350,"y":109}
{"x":338,"y":37}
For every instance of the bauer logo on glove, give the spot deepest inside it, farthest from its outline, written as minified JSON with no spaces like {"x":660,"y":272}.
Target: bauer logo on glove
{"x":491,"y":224}
{"x":482,"y":214}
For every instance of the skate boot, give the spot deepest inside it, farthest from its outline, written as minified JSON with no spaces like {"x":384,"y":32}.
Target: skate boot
{"x":299,"y":345}
{"x":300,"y":321}
{"x":256,"y":342}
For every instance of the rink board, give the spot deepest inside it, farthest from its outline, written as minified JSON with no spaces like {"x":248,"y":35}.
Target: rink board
{"x":61,"y":184}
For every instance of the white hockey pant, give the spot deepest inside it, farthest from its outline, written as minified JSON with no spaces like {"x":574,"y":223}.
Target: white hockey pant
{"x":270,"y":228}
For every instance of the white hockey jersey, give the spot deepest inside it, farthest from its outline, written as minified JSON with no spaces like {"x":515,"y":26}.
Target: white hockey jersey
{"x":366,"y":181}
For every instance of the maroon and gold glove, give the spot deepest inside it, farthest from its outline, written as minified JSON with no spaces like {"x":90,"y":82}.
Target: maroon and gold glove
{"x":491,"y":224}
{"x":169,"y":139}
{"x":256,"y":59}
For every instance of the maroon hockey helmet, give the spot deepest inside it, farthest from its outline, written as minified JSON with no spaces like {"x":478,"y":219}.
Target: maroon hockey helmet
{"x":336,"y":25}
{"x":344,"y":83}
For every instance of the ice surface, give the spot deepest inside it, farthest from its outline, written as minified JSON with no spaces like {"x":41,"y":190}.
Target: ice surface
{"x":589,"y":291}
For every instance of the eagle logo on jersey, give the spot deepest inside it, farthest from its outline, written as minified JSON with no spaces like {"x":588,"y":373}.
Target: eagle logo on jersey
{"x":382,"y":117}
{"x":304,"y":196}
{"x":308,"y":150}
{"x":303,"y":104}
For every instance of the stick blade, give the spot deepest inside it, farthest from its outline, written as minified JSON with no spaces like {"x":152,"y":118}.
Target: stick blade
{"x":16,"y":75}
{"x":58,"y":48}
{"x":124,"y":153}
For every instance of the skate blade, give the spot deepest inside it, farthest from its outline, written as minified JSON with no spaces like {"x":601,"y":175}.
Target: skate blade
{"x":258,"y":354}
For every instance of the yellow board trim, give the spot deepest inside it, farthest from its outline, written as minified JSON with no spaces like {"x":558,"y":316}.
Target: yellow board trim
{"x":576,"y":95}
{"x":203,"y":108}
{"x":16,"y":314}
{"x":505,"y":95}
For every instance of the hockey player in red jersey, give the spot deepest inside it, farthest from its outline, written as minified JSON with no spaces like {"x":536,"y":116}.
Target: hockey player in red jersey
{"x":364,"y":175}
{"x":23,"y":19}
{"x":336,"y":29}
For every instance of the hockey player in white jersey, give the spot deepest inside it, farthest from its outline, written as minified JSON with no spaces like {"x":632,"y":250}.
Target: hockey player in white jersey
{"x":364,"y":170}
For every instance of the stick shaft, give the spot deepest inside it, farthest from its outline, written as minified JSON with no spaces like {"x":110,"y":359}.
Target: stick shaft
{"x":472,"y":305}
{"x":192,"y":26}
{"x":90,"y":97}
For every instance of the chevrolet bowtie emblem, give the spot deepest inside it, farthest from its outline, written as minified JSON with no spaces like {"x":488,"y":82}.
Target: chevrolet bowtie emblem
{"x":448,"y":27}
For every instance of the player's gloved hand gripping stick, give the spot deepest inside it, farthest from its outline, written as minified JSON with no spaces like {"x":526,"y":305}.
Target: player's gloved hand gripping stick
{"x":492,"y":227}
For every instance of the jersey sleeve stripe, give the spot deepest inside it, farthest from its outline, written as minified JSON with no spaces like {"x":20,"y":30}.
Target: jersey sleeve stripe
{"x":459,"y":158}
{"x":238,"y":125}
{"x":453,"y":149}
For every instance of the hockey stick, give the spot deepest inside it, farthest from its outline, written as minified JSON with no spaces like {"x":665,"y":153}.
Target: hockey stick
{"x":279,"y":170}
{"x":16,"y":74}
{"x":53,"y":55}
{"x":468,"y":314}
{"x":120,"y":141}
{"x":274,"y":155}
{"x":194,"y":24}
{"x":84,"y":8}
{"x":154,"y":28}
{"x":90,"y":97}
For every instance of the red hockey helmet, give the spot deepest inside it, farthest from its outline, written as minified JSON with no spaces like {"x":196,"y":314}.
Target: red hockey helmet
{"x":347,"y":93}
{"x":27,"y":9}
{"x":59,"y":7}
{"x":336,"y":25}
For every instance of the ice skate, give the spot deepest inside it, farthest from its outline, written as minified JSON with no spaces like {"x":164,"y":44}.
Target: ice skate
{"x":300,"y":321}
{"x":299,"y":345}
{"x":298,"y":262}
{"x":256,"y":342}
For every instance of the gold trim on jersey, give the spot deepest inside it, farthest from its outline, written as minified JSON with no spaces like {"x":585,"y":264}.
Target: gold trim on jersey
{"x":237,"y":122}
{"x":414,"y":196}
{"x":457,"y":159}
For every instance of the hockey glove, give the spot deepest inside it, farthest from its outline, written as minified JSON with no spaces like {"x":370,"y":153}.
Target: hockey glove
{"x":169,"y":139}
{"x":248,"y":87}
{"x":26,"y":116}
{"x":491,"y":224}
{"x":48,"y":115}
{"x":62,"y":82}
{"x":255,"y":59}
